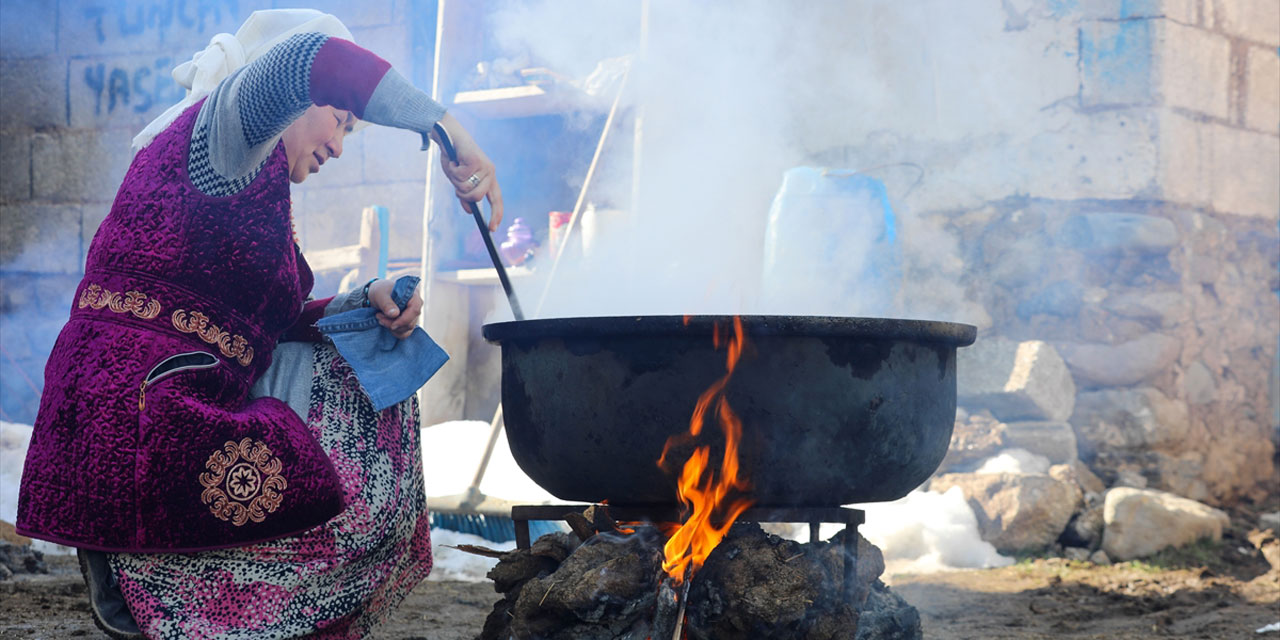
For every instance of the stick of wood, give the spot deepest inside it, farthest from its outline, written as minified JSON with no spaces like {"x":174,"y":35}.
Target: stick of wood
{"x":600,"y":519}
{"x":665,"y":610}
{"x":684,"y":602}
{"x":580,"y":525}
{"x":477,"y":550}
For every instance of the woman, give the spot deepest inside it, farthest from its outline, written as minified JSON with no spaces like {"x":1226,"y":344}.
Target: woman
{"x":214,"y":463}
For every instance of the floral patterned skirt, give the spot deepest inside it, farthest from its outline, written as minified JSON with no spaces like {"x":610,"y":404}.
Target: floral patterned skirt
{"x":334,"y":581}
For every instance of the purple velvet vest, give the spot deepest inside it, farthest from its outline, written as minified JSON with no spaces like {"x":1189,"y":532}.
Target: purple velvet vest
{"x":136,"y":450}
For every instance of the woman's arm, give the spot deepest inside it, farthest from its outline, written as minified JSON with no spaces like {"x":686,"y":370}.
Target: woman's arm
{"x":242,"y":119}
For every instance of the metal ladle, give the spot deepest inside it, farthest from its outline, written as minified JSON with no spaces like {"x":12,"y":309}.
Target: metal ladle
{"x":474,"y":207}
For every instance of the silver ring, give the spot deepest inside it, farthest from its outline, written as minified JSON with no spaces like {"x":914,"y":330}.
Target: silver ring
{"x":474,"y":180}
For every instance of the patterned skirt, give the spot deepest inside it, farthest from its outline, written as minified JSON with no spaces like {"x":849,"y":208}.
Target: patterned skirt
{"x":334,"y":581}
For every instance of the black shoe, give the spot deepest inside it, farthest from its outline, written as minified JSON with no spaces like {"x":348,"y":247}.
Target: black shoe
{"x":110,"y":612}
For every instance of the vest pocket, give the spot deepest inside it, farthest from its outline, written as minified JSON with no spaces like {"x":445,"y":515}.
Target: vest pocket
{"x":172,"y":365}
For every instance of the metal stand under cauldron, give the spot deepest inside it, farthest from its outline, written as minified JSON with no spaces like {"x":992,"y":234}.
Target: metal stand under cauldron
{"x":815,"y":516}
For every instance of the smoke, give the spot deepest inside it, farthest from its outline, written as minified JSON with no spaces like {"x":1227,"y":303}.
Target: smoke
{"x":721,"y":101}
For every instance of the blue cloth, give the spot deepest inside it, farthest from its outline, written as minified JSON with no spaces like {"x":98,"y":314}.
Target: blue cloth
{"x":388,"y":368}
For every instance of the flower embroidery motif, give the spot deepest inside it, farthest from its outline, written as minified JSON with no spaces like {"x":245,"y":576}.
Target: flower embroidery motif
{"x":231,"y":346}
{"x":135,"y":302}
{"x":243,"y":482}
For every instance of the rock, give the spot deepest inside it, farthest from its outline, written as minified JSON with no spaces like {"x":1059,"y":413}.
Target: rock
{"x":1015,"y":461}
{"x":1020,"y":263}
{"x":886,"y":615}
{"x":1063,"y":299}
{"x":1163,"y":307}
{"x":1268,"y":544}
{"x":1053,"y":440}
{"x":1141,"y":522}
{"x":1130,"y":478}
{"x":1198,"y":384}
{"x":1076,"y":554}
{"x":1076,"y":472}
{"x":1085,"y":528}
{"x":1118,"y":233}
{"x":973,"y":440}
{"x":1100,"y":558}
{"x":1270,"y":521}
{"x":1127,"y":420}
{"x":1183,"y":475}
{"x":21,"y":559}
{"x":8,"y":533}
{"x":1101,"y":365}
{"x":1015,"y":512}
{"x":1015,"y":380}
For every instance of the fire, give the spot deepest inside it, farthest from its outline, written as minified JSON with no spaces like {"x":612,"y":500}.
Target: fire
{"x":705,"y":491}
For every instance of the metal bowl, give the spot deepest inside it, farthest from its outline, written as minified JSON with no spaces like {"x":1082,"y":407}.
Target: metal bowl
{"x":834,"y":410}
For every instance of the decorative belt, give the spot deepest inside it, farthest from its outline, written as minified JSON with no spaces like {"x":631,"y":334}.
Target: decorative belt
{"x":168,"y":307}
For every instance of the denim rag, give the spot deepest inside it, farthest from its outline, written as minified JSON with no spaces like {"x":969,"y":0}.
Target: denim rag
{"x":388,"y":368}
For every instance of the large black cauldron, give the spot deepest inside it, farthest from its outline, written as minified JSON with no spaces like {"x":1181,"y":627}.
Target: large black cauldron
{"x":834,"y":410}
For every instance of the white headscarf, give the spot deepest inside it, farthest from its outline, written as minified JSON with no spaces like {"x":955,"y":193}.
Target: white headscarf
{"x":226,"y":53}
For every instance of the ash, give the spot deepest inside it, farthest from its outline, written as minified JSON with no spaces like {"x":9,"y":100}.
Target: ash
{"x":754,"y":585}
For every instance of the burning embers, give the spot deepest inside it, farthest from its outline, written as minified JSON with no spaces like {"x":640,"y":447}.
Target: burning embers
{"x":711,"y":496}
{"x":753,"y":585}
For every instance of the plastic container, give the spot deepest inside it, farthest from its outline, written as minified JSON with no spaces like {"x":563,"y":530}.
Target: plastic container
{"x":557,"y":224}
{"x":831,"y":246}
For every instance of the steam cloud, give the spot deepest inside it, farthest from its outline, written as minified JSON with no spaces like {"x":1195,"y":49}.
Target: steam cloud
{"x":729,"y":98}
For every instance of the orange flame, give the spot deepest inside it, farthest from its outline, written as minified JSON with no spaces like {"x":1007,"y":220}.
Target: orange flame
{"x":704,"y":491}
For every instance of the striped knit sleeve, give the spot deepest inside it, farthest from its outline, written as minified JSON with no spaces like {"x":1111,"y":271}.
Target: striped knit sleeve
{"x":243,"y":119}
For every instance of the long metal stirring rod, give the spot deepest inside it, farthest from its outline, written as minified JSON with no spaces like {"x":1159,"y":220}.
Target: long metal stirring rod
{"x":447,"y":143}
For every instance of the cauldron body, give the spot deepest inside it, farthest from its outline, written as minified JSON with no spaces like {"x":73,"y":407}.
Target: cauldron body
{"x":834,"y":410}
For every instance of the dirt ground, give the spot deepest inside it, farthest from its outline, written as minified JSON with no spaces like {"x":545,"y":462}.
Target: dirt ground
{"x":1214,"y":591}
{"x":1058,"y":599}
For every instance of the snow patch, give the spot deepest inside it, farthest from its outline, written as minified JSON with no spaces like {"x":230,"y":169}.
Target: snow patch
{"x":452,"y":564}
{"x":924,"y":532}
{"x":14,"y":438}
{"x":1018,"y":461}
{"x":451,"y":453}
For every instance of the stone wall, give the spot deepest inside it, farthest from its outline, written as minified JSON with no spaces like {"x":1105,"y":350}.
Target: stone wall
{"x":1166,"y":319}
{"x":1120,"y":202}
{"x":78,"y":78}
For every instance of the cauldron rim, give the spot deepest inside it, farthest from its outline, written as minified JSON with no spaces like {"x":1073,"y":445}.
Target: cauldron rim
{"x":931,"y":331}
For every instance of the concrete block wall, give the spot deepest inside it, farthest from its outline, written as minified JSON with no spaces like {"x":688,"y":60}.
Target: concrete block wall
{"x":1129,"y":221}
{"x":1209,"y":72}
{"x":79,"y":78}
{"x":1068,"y":99}
{"x":1110,"y":172}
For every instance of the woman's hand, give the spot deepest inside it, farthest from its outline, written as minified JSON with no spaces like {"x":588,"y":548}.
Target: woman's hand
{"x":401,"y":323}
{"x":472,"y":163}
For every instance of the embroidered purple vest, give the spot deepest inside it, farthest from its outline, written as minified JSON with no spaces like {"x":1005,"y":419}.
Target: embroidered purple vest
{"x":146,"y":439}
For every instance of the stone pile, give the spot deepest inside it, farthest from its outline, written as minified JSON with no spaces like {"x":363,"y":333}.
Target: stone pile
{"x":16,"y":554}
{"x":1163,"y":319}
{"x":1026,"y":446}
